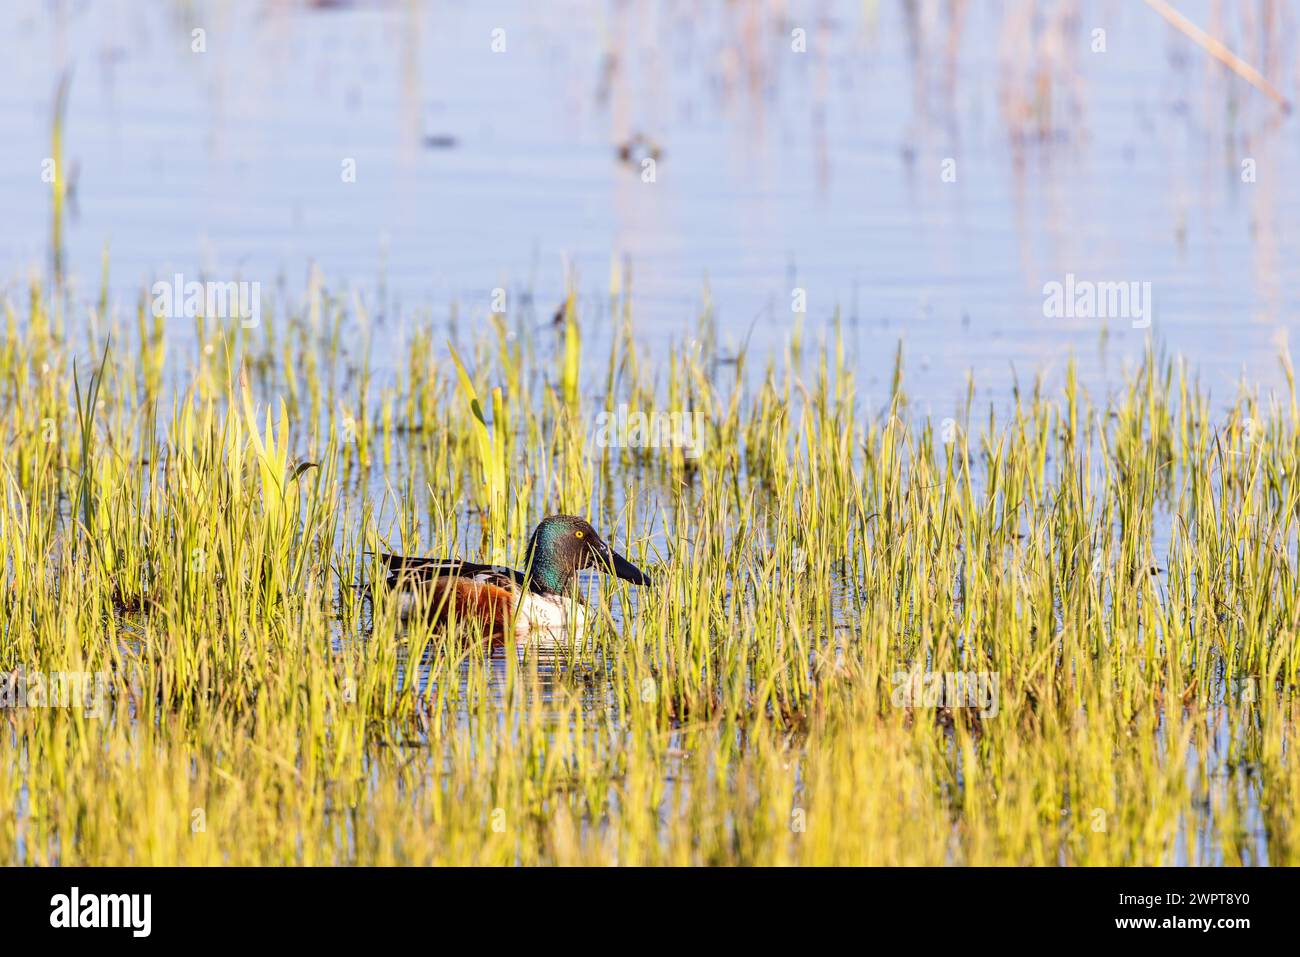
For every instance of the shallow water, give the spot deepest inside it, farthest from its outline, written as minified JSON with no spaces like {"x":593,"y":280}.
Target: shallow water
{"x":820,"y":171}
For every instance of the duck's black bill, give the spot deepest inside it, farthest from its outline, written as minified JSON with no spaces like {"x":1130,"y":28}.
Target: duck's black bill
{"x":625,"y":570}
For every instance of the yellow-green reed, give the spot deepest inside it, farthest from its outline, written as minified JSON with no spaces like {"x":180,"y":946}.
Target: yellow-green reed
{"x":1125,"y":567}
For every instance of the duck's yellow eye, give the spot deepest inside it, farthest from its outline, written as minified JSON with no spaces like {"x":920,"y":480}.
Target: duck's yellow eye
{"x":580,"y":534}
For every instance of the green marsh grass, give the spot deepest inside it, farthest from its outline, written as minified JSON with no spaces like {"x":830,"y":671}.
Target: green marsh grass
{"x":1125,"y":565}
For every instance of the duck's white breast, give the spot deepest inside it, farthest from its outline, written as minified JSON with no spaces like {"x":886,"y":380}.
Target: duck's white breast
{"x":549,"y":621}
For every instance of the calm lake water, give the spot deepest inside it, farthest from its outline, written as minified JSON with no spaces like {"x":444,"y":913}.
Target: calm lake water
{"x":924,"y":173}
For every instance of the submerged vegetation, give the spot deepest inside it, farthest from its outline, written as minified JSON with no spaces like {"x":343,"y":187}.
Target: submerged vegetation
{"x":192,"y":517}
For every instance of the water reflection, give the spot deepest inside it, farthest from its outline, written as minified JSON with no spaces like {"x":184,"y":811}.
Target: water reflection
{"x":924,"y":168}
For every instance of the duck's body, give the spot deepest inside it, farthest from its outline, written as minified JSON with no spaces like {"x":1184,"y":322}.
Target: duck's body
{"x":537,"y":605}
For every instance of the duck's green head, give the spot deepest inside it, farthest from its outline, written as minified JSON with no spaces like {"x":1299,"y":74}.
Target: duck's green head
{"x":562,"y":544}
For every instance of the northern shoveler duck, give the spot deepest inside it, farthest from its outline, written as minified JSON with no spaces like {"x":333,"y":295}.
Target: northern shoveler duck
{"x":538,"y":603}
